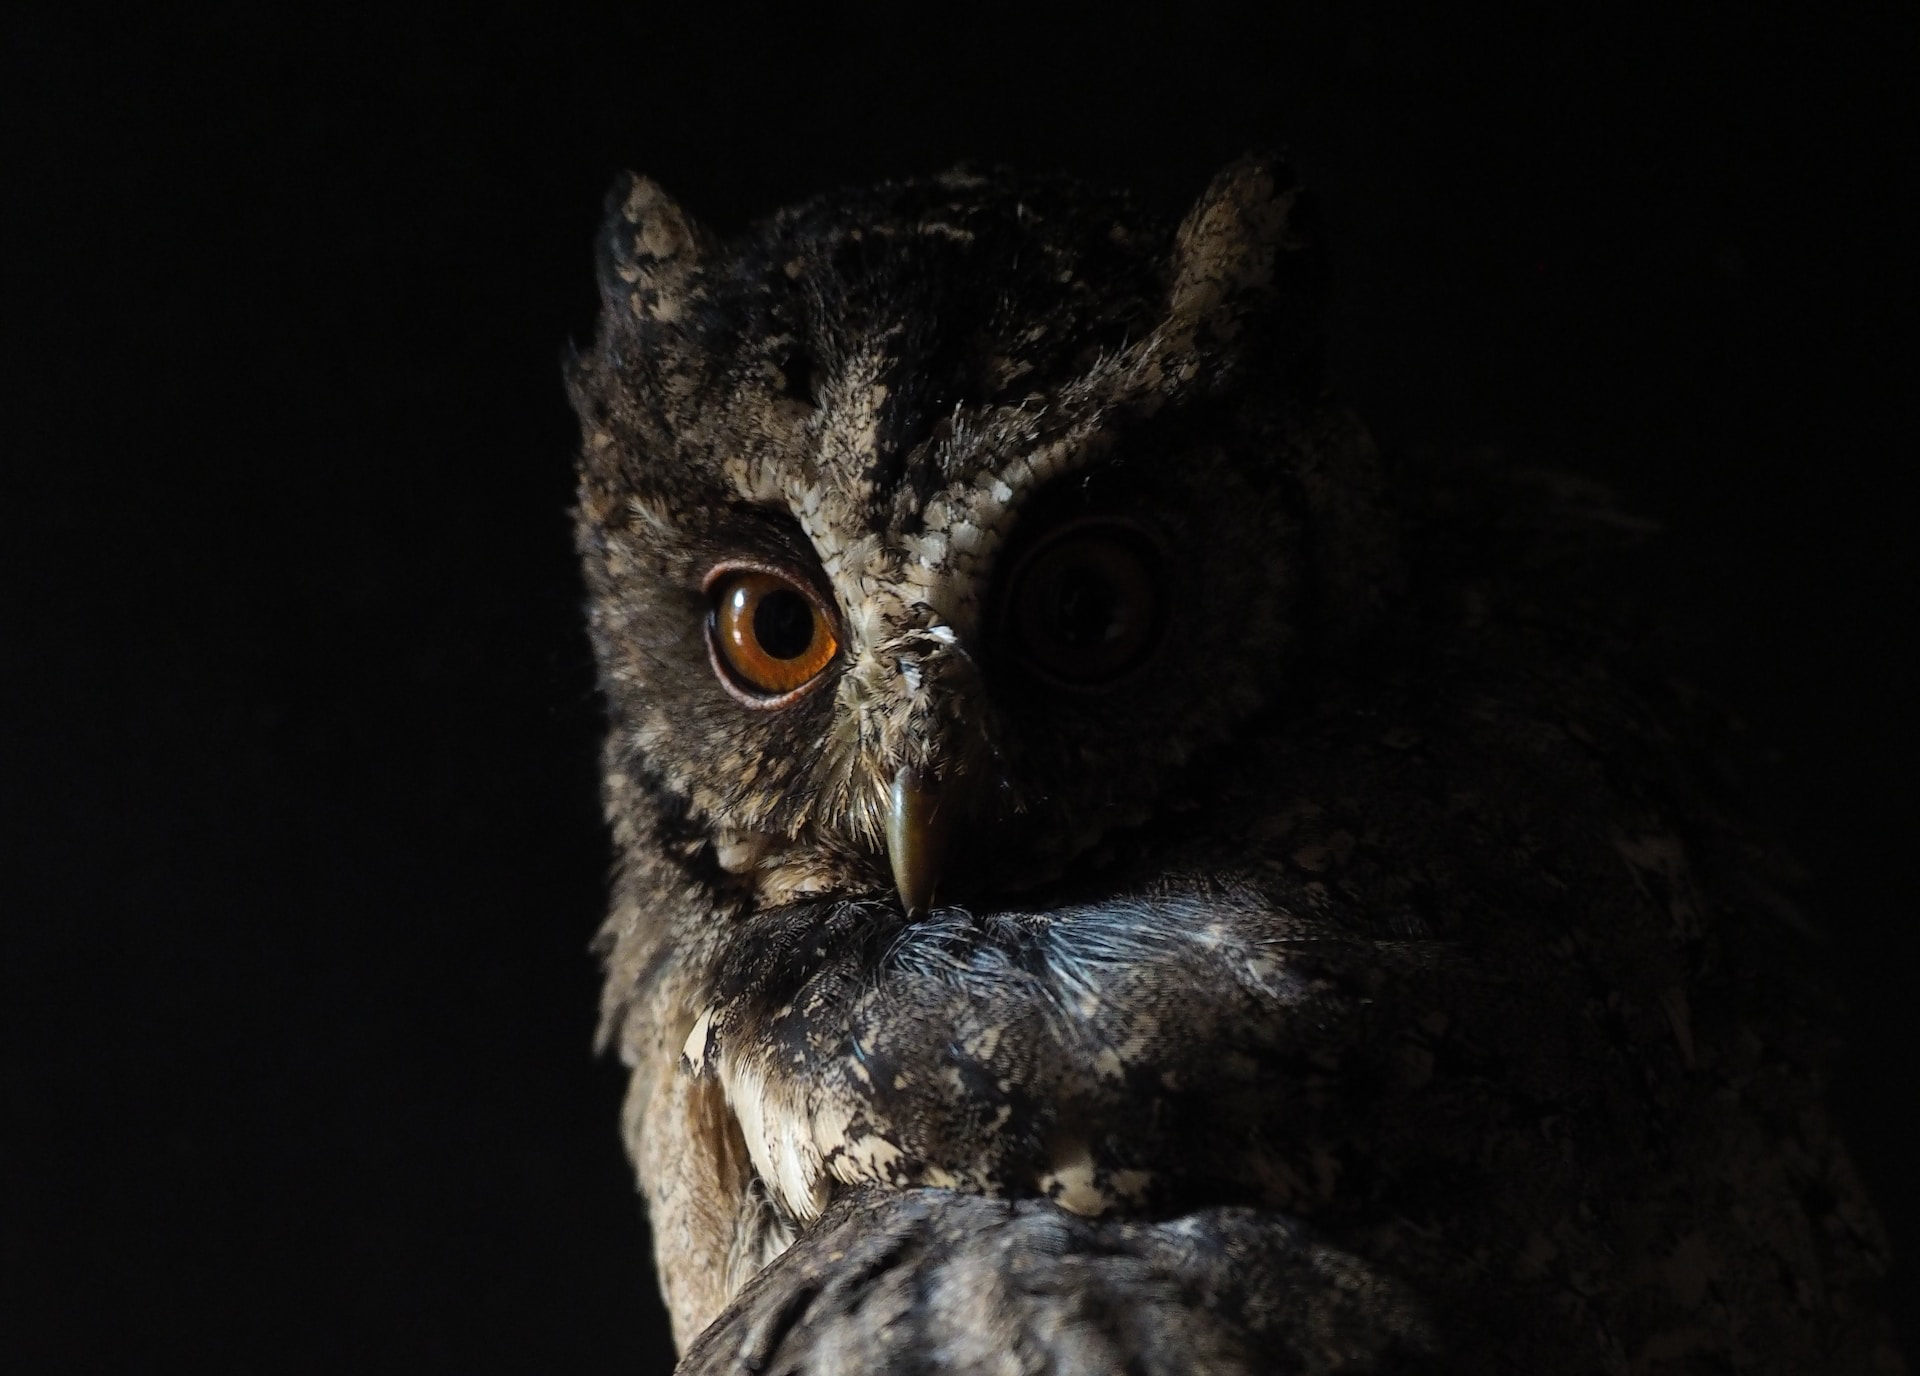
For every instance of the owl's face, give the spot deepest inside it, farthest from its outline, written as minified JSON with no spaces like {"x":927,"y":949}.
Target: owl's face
{"x":932,"y":529}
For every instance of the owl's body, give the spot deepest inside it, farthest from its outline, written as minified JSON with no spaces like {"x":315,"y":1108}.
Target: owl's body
{"x":1104,"y":883}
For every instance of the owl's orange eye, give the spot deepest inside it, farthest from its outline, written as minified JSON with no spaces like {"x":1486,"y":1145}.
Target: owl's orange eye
{"x":769,"y":638}
{"x":1086,"y":604}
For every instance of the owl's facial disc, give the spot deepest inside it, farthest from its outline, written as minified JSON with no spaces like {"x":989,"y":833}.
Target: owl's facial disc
{"x":1082,"y":608}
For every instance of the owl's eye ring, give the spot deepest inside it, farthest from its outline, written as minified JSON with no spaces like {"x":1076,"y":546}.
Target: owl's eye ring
{"x":770,"y":636}
{"x":1086,"y":606}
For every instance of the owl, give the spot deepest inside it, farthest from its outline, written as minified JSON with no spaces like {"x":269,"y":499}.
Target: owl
{"x":1111,"y":875}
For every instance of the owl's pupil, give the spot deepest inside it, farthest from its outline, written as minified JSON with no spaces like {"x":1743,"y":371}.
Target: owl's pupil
{"x":783,"y":624}
{"x":1086,"y":609}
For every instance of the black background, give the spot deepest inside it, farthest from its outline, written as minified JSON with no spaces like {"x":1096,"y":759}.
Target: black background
{"x":300,"y":849}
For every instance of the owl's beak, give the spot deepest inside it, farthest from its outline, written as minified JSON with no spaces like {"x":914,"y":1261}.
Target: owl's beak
{"x":917,"y":832}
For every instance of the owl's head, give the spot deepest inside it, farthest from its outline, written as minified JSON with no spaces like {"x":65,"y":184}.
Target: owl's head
{"x":931,"y":530}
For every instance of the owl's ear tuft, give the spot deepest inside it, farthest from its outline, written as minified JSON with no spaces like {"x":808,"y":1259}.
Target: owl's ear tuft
{"x":1244,"y":248}
{"x":651,"y":251}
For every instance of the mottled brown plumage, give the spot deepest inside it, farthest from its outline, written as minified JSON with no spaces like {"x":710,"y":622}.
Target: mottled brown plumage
{"x":1331,"y":961}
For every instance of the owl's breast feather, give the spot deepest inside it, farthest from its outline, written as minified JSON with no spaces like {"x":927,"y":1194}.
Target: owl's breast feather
{"x":1114,"y":1055}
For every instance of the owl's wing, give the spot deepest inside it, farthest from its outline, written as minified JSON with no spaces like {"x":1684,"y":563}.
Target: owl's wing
{"x":935,"y":1281}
